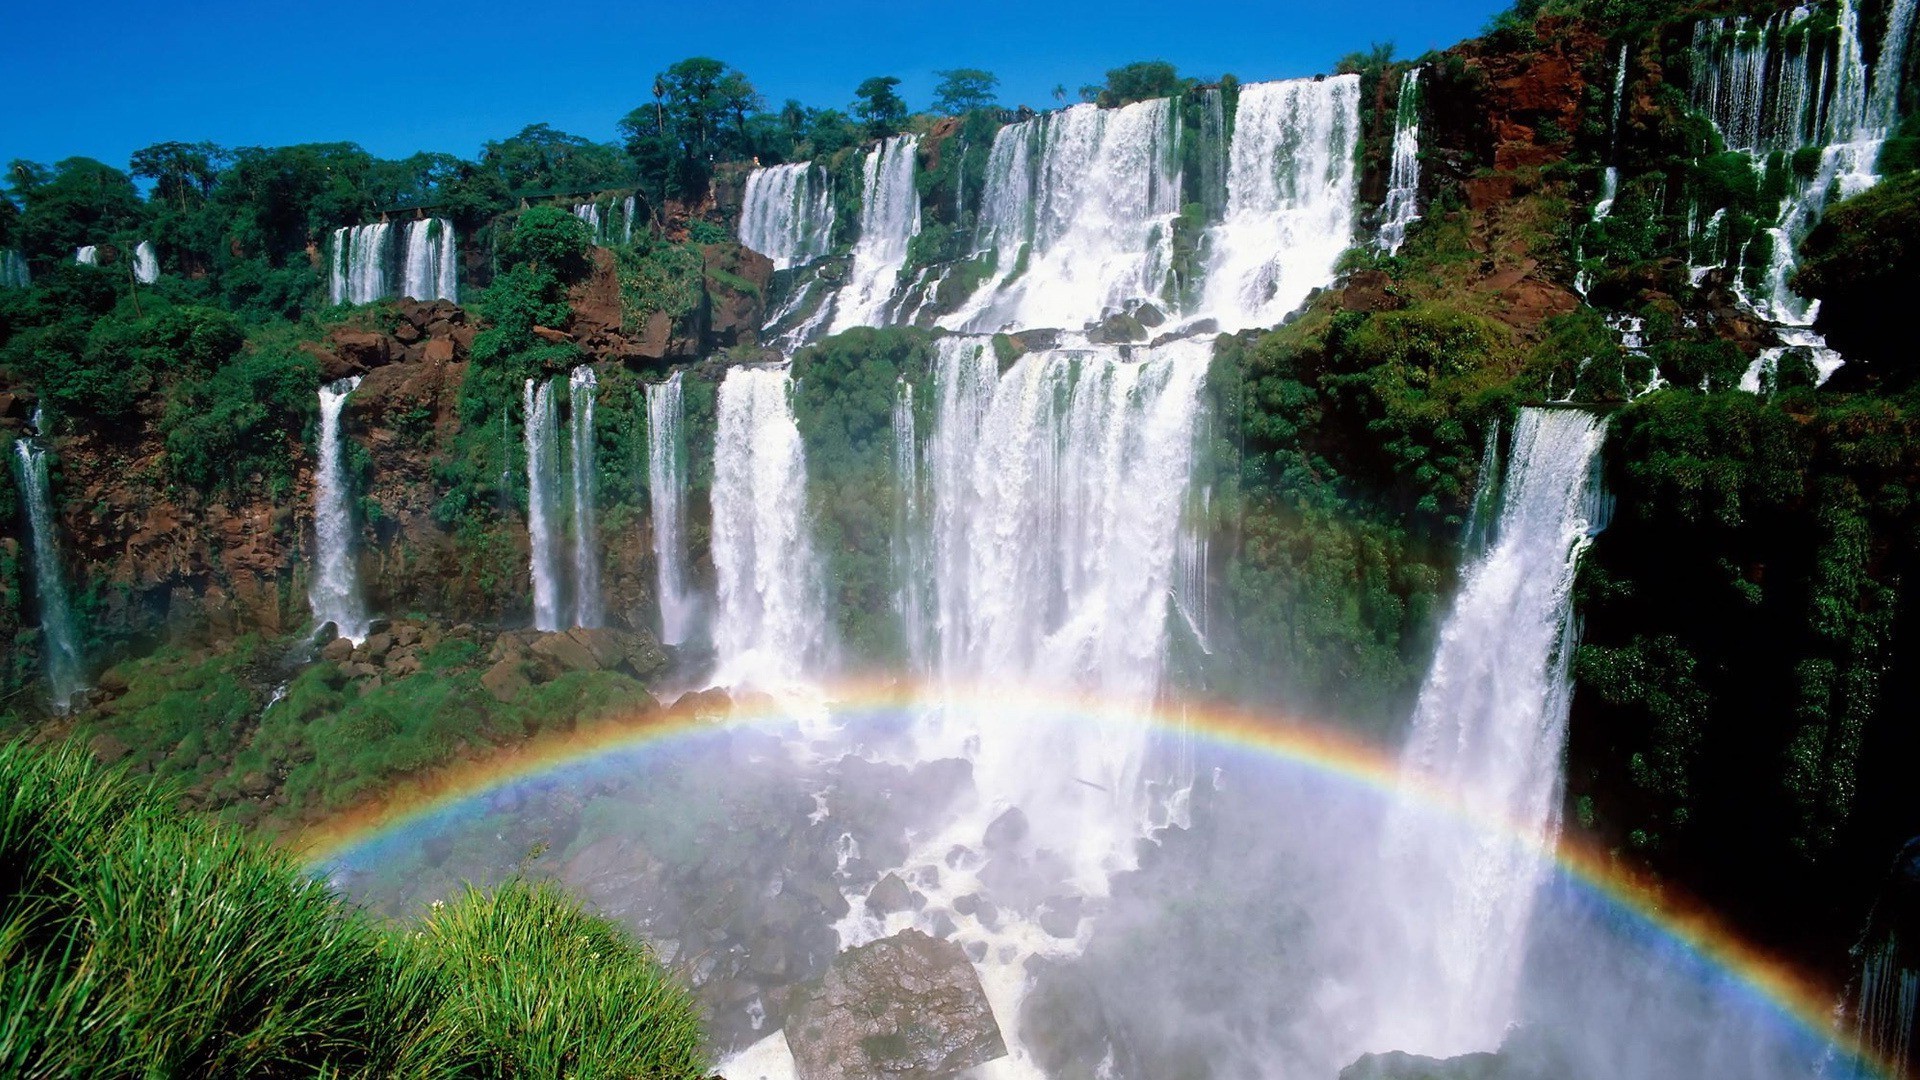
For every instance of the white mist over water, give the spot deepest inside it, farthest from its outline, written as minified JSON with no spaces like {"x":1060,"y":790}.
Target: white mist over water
{"x":583,"y":469}
{"x":889,"y":219}
{"x":1402,"y":207}
{"x":334,"y":593}
{"x":769,"y":627}
{"x":1488,"y":732}
{"x":667,"y":505}
{"x":542,"y":436}
{"x":59,"y":637}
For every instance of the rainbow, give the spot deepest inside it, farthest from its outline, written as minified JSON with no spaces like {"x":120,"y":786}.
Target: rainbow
{"x":422,"y":802}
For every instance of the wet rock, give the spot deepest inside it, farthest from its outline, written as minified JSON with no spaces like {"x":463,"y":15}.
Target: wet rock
{"x":1006,"y":831}
{"x":1403,"y":1066}
{"x":966,"y":905}
{"x":960,"y":857}
{"x":337,"y":650}
{"x":907,"y":1006}
{"x":888,"y":896}
{"x":976,"y":951}
{"x":1060,"y":916}
{"x":564,"y":652}
{"x":1117,"y":329}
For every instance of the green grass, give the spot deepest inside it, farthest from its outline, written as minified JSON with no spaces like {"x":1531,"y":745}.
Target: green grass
{"x":137,"y":942}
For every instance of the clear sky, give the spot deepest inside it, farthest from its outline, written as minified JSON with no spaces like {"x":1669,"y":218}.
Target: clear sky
{"x":108,"y":77}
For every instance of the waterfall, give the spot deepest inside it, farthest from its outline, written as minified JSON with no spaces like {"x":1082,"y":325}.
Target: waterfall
{"x":1057,"y":493}
{"x":788,"y":213}
{"x":667,"y":501}
{"x":334,"y":593}
{"x":1767,"y":92}
{"x":146,"y":265}
{"x":59,"y":637}
{"x":88,"y":255}
{"x":431,"y":267}
{"x":1488,"y":730}
{"x":586,"y":533}
{"x":889,"y":219}
{"x":359,"y":264}
{"x":589,"y":212}
{"x":770,"y":619}
{"x":1290,"y":195}
{"x":1610,"y":180}
{"x":543,"y":511}
{"x":1888,"y":995}
{"x":1078,"y":209}
{"x":1402,"y":207}
{"x":13,"y":271}
{"x":627,"y":207}
{"x":909,"y":548}
{"x":1190,"y":594}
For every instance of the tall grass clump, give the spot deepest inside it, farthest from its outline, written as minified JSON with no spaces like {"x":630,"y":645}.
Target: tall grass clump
{"x":135,"y":941}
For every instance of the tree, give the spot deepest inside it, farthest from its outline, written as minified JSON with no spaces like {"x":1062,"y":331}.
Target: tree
{"x":1138,"y":81}
{"x":962,"y":90}
{"x":78,"y":202}
{"x":879,"y":107}
{"x":698,"y":117}
{"x":182,"y":173}
{"x":1371,"y":62}
{"x":541,"y":158}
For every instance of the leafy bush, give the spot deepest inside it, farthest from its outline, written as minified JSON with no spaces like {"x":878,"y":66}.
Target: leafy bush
{"x":137,"y":943}
{"x":248,"y":419}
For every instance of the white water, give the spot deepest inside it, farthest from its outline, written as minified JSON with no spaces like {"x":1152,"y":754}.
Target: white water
{"x":430,"y":270}
{"x":334,"y":593}
{"x":889,"y":219}
{"x":543,"y":509}
{"x":590,"y":213}
{"x":769,"y":625}
{"x":1488,"y":731}
{"x":1402,"y":207}
{"x":359,"y":264}
{"x":787,"y":213}
{"x":584,"y":471}
{"x":13,"y":271}
{"x":1079,"y":207}
{"x":667,"y":503}
{"x":1290,"y":194}
{"x":912,"y":579}
{"x":59,"y":638}
{"x":146,"y":265}
{"x":88,"y":255}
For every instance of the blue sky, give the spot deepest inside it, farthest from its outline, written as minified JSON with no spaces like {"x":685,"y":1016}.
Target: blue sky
{"x":444,"y":76}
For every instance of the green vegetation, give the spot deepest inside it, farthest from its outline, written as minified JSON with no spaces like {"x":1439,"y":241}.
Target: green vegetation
{"x":878,"y":108}
{"x":1862,"y":262}
{"x":964,"y":90}
{"x":135,"y":942}
{"x":1138,"y":81}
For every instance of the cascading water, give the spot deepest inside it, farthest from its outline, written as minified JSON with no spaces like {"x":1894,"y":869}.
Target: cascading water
{"x":1078,"y":209}
{"x":89,"y":255}
{"x":910,"y":569}
{"x":359,"y":264}
{"x":13,"y":270}
{"x":589,"y":212}
{"x":581,"y":386}
{"x":430,"y":270}
{"x":59,"y":638}
{"x":1768,"y":92}
{"x":1489,"y":730}
{"x":667,"y":502}
{"x":1290,"y":195}
{"x":334,"y":593}
{"x":146,"y":265}
{"x":889,"y":219}
{"x":787,"y":213}
{"x":768,"y":625}
{"x":1402,"y":207}
{"x":1610,"y":180}
{"x":543,"y":508}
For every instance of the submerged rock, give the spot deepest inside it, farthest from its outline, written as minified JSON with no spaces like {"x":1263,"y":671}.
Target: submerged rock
{"x":905,"y":1006}
{"x":1403,"y":1066}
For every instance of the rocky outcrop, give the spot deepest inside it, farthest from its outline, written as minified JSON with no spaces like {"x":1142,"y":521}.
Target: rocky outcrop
{"x":905,"y":1006}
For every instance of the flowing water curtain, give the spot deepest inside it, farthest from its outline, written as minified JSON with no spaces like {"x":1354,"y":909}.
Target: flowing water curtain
{"x":1402,"y":207}
{"x":581,"y":386}
{"x":60,"y":656}
{"x":430,"y":269}
{"x":667,"y":504}
{"x":543,"y":502}
{"x":334,"y":595}
{"x":787,"y":213}
{"x":1488,"y":732}
{"x":146,"y":264}
{"x":889,"y":220}
{"x":359,"y":265}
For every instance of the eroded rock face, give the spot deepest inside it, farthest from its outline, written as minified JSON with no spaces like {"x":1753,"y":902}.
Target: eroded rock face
{"x":905,"y":1006}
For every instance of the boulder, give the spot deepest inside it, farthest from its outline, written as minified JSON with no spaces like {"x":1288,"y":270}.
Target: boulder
{"x":505,"y":680}
{"x":907,"y":1006}
{"x":363,"y":350}
{"x":338,"y":650}
{"x":1398,"y":1065}
{"x":438,"y":351}
{"x":1006,"y":831}
{"x":891,"y":894}
{"x":565,"y":652}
